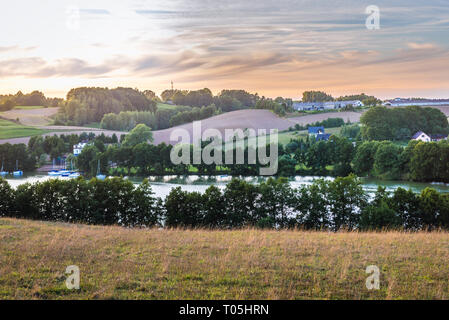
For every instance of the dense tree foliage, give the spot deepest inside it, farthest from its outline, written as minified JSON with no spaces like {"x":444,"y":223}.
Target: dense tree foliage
{"x":85,"y":105}
{"x":341,"y":204}
{"x":111,"y":202}
{"x":140,"y":134}
{"x":35,"y":98}
{"x":17,"y":154}
{"x":365,"y":99}
{"x":58,"y":146}
{"x":327,"y":123}
{"x":269,"y":104}
{"x":381,"y":123}
{"x":316,"y":96}
{"x":127,"y":120}
{"x":195,"y":114}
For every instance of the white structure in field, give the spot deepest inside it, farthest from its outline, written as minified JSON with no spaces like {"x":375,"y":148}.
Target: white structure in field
{"x":399,"y":102}
{"x":421,"y":136}
{"x":330,"y":105}
{"x":78,"y":148}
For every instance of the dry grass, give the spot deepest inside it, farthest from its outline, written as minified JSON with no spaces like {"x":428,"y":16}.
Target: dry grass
{"x":121,"y":263}
{"x":31,"y":116}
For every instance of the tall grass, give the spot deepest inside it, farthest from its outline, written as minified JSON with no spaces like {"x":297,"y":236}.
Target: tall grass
{"x":125,"y":263}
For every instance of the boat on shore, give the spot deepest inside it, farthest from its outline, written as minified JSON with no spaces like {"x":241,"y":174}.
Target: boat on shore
{"x":74,"y":175}
{"x":99,"y":175}
{"x":17,"y":172}
{"x":3,"y":173}
{"x":64,"y":173}
{"x":54,"y":173}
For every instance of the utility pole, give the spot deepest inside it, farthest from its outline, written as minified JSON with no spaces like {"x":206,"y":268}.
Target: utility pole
{"x":172,"y":86}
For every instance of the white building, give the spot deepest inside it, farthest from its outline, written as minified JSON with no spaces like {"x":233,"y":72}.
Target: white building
{"x":78,"y":148}
{"x":330,"y":105}
{"x":399,"y":102}
{"x":421,"y":136}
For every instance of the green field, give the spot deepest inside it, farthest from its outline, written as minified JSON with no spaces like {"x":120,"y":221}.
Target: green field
{"x":286,"y":137}
{"x":164,"y":106}
{"x":9,"y":130}
{"x":92,"y":125}
{"x":28,"y":107}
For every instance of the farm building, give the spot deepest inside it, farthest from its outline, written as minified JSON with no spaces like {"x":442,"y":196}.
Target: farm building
{"x":323,"y":137}
{"x":78,"y":148}
{"x":421,"y":136}
{"x":314,"y":131}
{"x":399,"y":102}
{"x":330,"y":105}
{"x":438,"y":137}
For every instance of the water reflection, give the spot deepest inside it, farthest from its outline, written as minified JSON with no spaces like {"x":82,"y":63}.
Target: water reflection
{"x":163,"y":185}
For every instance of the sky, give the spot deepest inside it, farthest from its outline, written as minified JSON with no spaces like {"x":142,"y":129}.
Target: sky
{"x":272,"y":47}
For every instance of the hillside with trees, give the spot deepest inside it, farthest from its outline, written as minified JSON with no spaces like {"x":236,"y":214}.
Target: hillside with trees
{"x":320,"y":96}
{"x":381,"y":123}
{"x":35,"y":98}
{"x":85,"y":105}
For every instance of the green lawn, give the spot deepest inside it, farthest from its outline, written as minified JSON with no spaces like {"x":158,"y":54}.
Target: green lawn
{"x":164,"y":106}
{"x":285,"y":137}
{"x":28,"y":107}
{"x":93,"y":125}
{"x":9,"y":130}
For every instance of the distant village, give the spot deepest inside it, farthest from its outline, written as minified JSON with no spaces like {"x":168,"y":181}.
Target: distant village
{"x":398,"y":102}
{"x":319,"y":132}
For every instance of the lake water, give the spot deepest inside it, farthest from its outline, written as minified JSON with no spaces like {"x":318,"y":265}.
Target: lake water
{"x":163,"y":185}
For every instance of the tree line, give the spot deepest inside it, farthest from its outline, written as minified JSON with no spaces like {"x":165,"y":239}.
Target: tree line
{"x":382,"y":123}
{"x":227,"y":100}
{"x":162,"y":119}
{"x":338,"y":156}
{"x":336,"y":205}
{"x":35,"y":98}
{"x":320,"y":96}
{"x":86,"y":105}
{"x":327,"y":123}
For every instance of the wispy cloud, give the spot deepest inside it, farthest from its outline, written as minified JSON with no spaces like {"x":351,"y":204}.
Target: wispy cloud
{"x":270,"y":46}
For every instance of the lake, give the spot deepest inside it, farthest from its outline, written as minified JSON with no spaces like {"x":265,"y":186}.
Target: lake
{"x":163,"y":185}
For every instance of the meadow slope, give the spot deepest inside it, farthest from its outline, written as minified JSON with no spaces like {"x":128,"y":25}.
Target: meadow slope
{"x":119,"y":263}
{"x":31,"y":116}
{"x":242,"y":119}
{"x":254,"y":119}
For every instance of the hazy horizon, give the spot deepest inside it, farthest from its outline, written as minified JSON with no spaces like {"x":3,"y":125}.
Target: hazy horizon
{"x":274,"y":48}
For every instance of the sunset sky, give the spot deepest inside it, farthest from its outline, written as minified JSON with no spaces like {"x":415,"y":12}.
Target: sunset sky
{"x":273,"y":47}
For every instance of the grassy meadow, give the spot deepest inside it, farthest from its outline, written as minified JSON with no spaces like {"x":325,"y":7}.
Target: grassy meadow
{"x":28,"y":107}
{"x":10,"y":129}
{"x":120,"y":263}
{"x":165,"y":106}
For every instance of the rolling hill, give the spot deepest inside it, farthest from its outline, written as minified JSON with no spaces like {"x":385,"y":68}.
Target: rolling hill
{"x":242,"y":119}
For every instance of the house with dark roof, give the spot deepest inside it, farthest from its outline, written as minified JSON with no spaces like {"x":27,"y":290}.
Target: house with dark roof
{"x":323,"y":137}
{"x":421,"y":136}
{"x":316,"y":130}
